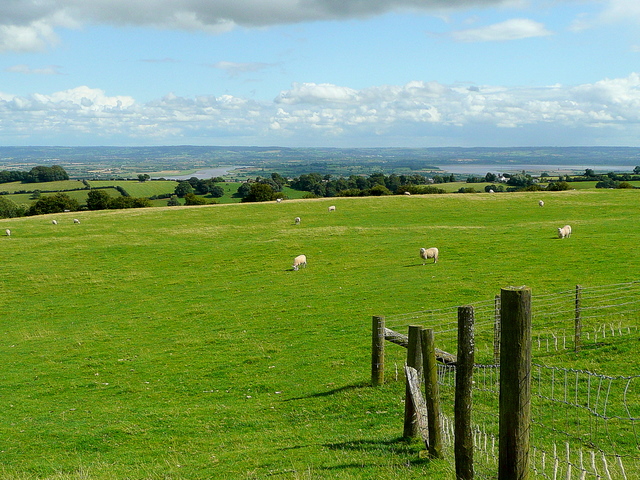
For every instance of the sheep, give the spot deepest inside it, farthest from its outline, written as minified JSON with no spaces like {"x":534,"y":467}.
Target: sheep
{"x":332,"y":208}
{"x":54,"y":222}
{"x":541,"y":203}
{"x":426,"y":253}
{"x":8,"y":232}
{"x":297,"y":220}
{"x":564,"y":232}
{"x":407,"y":193}
{"x":278,"y":200}
{"x":300,"y":260}
{"x":75,"y":220}
{"x":491,"y":190}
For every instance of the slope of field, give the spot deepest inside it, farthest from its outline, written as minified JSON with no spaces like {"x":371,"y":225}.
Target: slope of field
{"x":177,"y":343}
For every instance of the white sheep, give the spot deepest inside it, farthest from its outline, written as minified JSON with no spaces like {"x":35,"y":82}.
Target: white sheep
{"x":278,"y":200}
{"x":407,"y":193}
{"x":332,"y":208}
{"x":54,"y":222}
{"x":300,"y":260}
{"x":564,"y":232}
{"x":491,"y":190}
{"x":297,"y":220}
{"x":426,"y":253}
{"x":75,"y":220}
{"x":8,"y":232}
{"x":541,"y":203}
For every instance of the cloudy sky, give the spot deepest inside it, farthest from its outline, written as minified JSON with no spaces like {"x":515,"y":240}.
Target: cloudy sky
{"x":344,"y":73}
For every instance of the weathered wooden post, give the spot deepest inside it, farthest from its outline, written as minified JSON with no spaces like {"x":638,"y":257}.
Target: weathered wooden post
{"x":377,"y":351}
{"x":463,"y":442}
{"x":414,"y":359}
{"x":432,"y":394}
{"x":515,"y":384}
{"x":496,"y":331}
{"x":578,"y":319}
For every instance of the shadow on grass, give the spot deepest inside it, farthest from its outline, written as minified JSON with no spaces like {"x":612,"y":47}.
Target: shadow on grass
{"x":334,"y":391}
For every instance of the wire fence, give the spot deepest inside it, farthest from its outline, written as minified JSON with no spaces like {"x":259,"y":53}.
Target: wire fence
{"x":603,"y":311}
{"x":584,"y":425}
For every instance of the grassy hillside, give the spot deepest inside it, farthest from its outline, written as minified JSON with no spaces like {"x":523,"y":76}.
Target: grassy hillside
{"x":177,"y":343}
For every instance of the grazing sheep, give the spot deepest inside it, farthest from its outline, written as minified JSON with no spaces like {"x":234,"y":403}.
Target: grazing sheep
{"x":278,"y":200}
{"x":54,"y":222}
{"x":332,"y":208}
{"x":8,"y":232}
{"x":426,"y":253}
{"x":564,"y":232}
{"x":75,"y":220}
{"x":541,"y":203}
{"x":300,"y":260}
{"x":407,"y":193}
{"x":491,"y":190}
{"x":297,"y":220}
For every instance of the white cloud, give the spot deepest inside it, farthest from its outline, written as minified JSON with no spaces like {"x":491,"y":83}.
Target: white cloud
{"x":621,"y":11}
{"x":235,"y":69}
{"x":326,"y":114}
{"x":27,"y":70}
{"x":514,"y":29}
{"x":27,"y":38}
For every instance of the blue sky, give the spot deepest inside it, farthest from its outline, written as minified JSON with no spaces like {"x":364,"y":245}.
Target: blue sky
{"x":346,"y":73}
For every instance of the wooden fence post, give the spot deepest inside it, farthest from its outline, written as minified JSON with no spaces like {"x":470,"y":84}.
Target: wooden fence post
{"x":463,"y":442}
{"x":515,"y":384}
{"x":578,"y":319}
{"x":496,"y":331}
{"x":432,"y":394}
{"x":377,"y":351}
{"x":414,"y":359}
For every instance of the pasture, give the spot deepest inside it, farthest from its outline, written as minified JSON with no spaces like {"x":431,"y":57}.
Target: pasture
{"x":177,"y":342}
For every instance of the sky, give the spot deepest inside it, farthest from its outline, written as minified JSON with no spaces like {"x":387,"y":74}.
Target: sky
{"x":320,"y":73}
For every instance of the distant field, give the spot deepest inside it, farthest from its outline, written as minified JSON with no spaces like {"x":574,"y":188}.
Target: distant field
{"x":50,"y":186}
{"x":139,"y":189}
{"x":177,"y":343}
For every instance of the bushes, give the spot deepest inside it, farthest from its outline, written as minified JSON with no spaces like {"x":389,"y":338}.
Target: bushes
{"x":10,"y":209}
{"x":54,"y":204}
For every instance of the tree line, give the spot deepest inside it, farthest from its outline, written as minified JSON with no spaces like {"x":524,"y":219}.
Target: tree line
{"x":37,"y":174}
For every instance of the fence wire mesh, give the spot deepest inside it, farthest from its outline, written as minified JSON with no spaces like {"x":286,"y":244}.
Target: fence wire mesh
{"x":584,"y":425}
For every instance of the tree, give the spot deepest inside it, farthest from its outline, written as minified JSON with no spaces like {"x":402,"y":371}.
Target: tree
{"x":143,"y":177}
{"x":56,"y":203}
{"x":379,"y":190}
{"x":183,"y":188}
{"x":637,"y":170}
{"x":216,"y":191}
{"x":193,"y":199}
{"x":10,"y":209}
{"x":244,"y":189}
{"x":173,"y":201}
{"x":98,"y":200}
{"x":260,"y":192}
{"x":46,"y":174}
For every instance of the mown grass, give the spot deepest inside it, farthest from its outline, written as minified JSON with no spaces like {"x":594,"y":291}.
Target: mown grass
{"x":139,"y":189}
{"x":177,"y":343}
{"x":12,"y":187}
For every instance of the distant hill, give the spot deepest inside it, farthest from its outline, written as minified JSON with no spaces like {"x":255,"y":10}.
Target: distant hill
{"x":81,"y":161}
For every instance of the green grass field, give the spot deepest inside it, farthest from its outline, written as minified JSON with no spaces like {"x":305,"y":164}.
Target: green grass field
{"x":177,"y":343}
